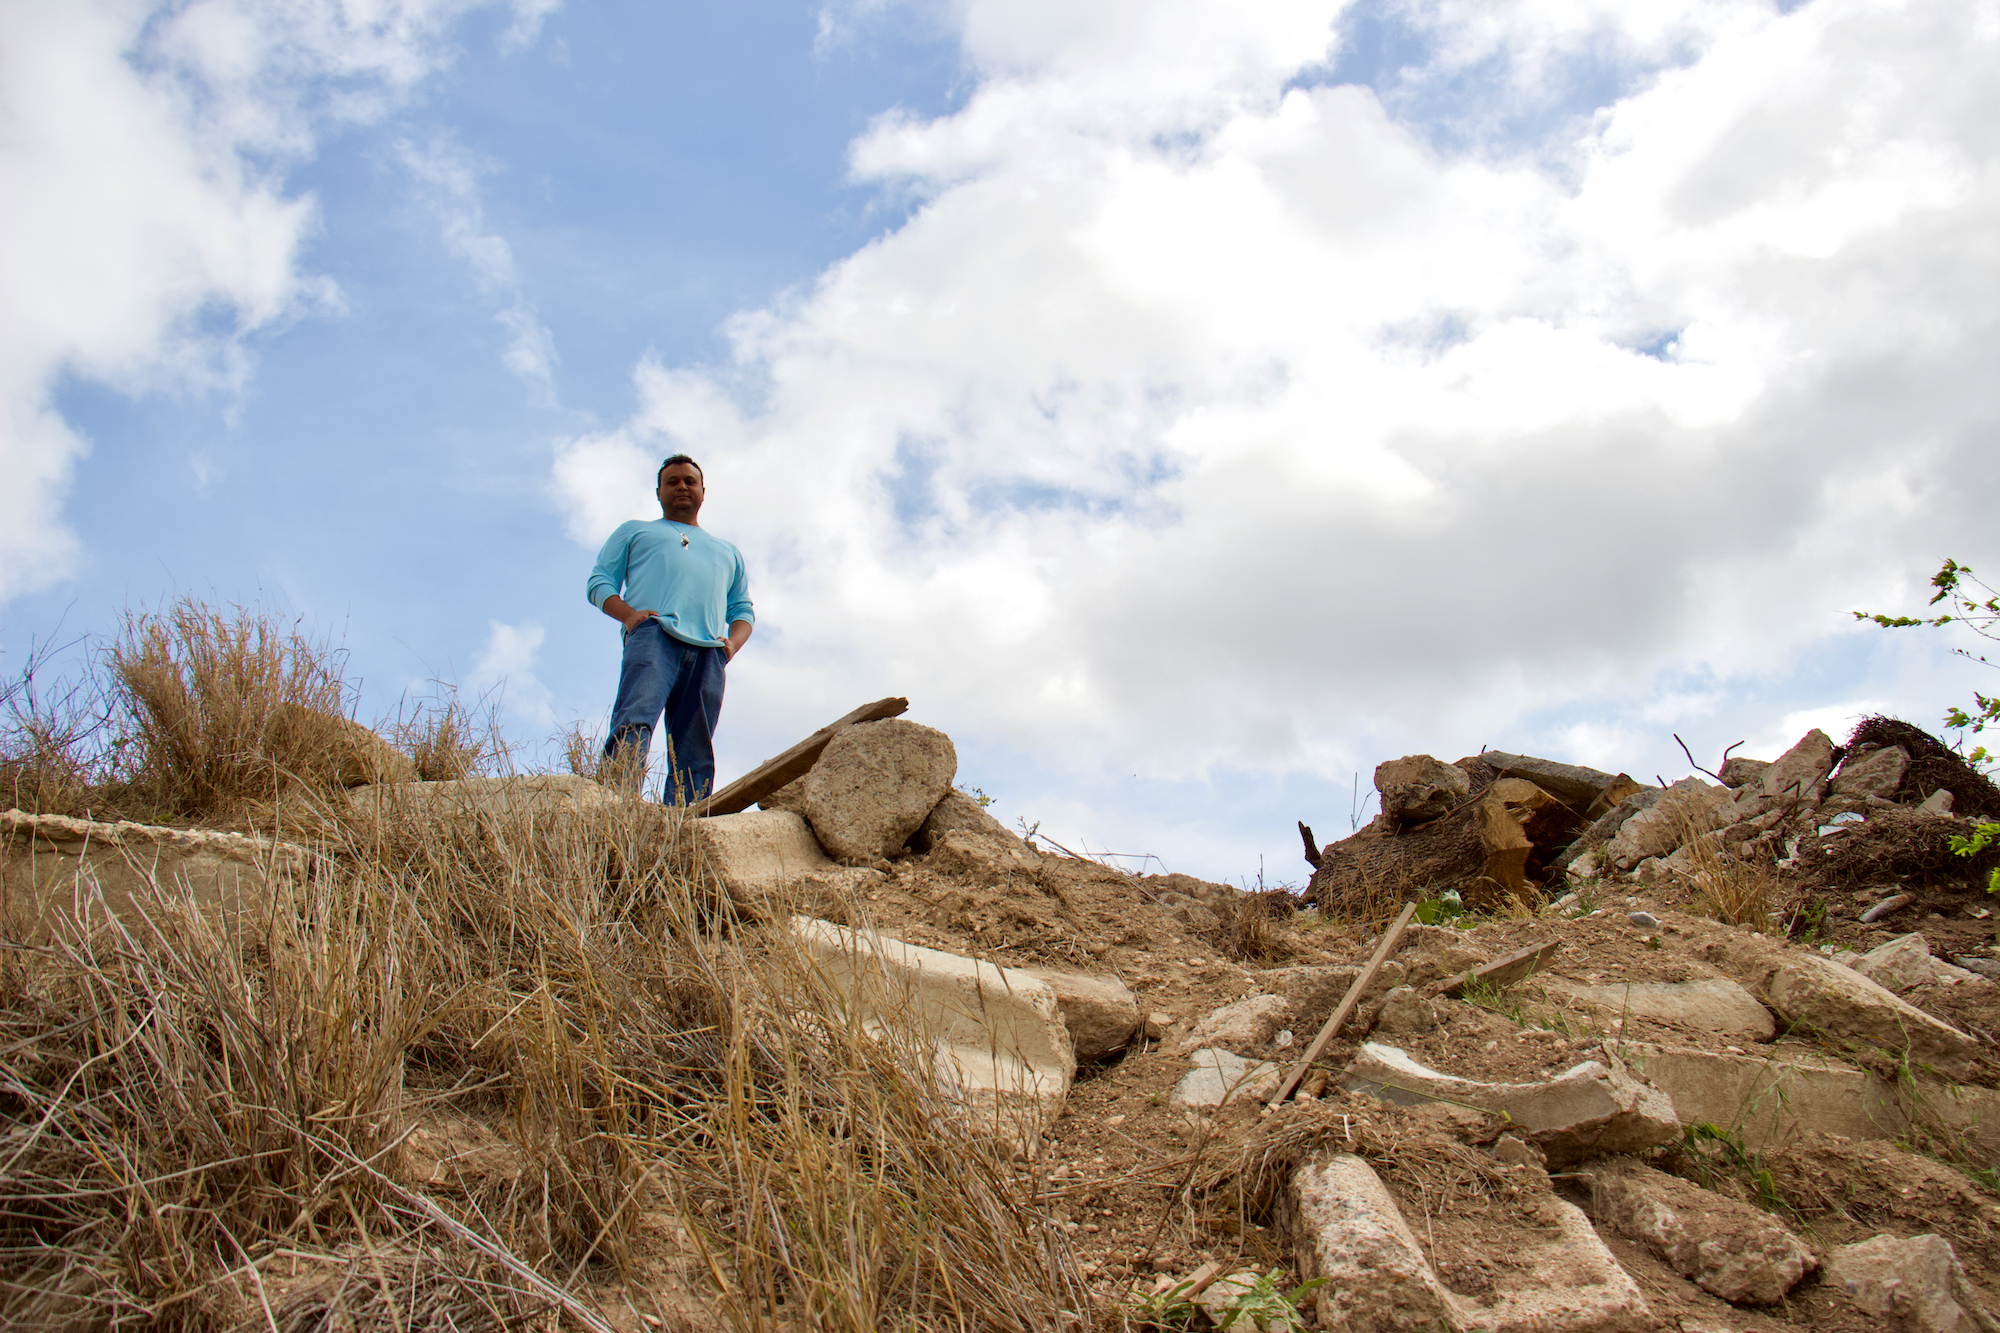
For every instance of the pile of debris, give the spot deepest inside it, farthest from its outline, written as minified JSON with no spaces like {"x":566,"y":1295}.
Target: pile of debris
{"x":1583,"y":1103}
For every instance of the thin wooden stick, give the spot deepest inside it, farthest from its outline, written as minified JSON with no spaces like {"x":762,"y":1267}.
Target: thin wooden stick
{"x":1390,"y":939}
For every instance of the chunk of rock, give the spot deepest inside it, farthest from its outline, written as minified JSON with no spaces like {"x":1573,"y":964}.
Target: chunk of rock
{"x":1586,"y":791}
{"x":1899,"y":965}
{"x":1559,"y":1275}
{"x":1418,"y":787}
{"x":1352,"y":1235}
{"x":1728,"y":1248}
{"x":1102,"y":1015}
{"x":875,"y":784}
{"x":1738,"y":772}
{"x":1937,"y":803}
{"x":1795,"y":779}
{"x":1216,"y":1076}
{"x":1689,"y":807}
{"x":791,"y":796}
{"x":1589,"y":1109}
{"x":1404,"y":1010}
{"x":962,"y":838}
{"x":53,"y":867}
{"x":1841,"y":1002}
{"x":1710,"y":1004}
{"x":1913,"y":1286}
{"x":1868,"y":773}
{"x":1244,"y":1025}
{"x":759,"y":850}
{"x":996,"y":1034}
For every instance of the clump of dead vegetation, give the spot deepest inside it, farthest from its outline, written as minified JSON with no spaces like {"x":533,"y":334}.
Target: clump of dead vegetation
{"x":209,"y":1121}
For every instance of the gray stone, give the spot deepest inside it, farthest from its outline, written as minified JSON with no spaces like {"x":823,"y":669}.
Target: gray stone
{"x":1738,"y":772}
{"x":1913,"y":1286}
{"x":1643,"y":920}
{"x":1404,"y":1011}
{"x":1797,"y":778}
{"x":1102,"y":1015}
{"x":1729,"y":1249}
{"x":1216,"y":1076}
{"x":1588,"y":1109}
{"x":1245,"y":1025}
{"x":1842,"y":1003}
{"x":1707,"y":1004}
{"x":1938,"y":802}
{"x":1606,"y":827}
{"x":1418,"y":787}
{"x":1872,"y":773}
{"x":1689,"y":807}
{"x":875,"y":784}
{"x":1901,"y":964}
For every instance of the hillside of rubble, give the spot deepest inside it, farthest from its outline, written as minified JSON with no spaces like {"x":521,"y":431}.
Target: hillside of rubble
{"x":313,"y":1026}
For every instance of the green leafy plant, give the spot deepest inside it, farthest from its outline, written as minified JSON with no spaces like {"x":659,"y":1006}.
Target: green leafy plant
{"x":1982,"y":837}
{"x":1263,"y":1308}
{"x":1445,"y":907}
{"x":1959,"y":590}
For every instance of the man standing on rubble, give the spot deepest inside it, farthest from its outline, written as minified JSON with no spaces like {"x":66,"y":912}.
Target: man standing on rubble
{"x":674,"y":588}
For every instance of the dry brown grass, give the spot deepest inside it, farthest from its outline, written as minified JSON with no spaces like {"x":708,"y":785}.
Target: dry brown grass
{"x":448,"y":740}
{"x":187,"y":1108}
{"x":1729,"y":888}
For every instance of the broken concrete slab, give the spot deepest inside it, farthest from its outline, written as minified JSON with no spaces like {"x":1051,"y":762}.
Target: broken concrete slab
{"x":1690,"y":806}
{"x":1245,"y":1025}
{"x":1797,"y":778}
{"x":1587,"y":791}
{"x":1101,"y":1013}
{"x":1351,"y":1233}
{"x":1738,"y":772}
{"x":996,"y":1034}
{"x":1709,"y":1004}
{"x":542,"y":795}
{"x":1727,"y":1248}
{"x":1588,"y":1109}
{"x":1844,"y":1005}
{"x":1916,"y":1285}
{"x":53,"y":868}
{"x":1216,"y":1076}
{"x":875,"y":784}
{"x":957,"y":812}
{"x":760,"y":851}
{"x":1770,"y":1099}
{"x":1560,"y":1276}
{"x":1904,"y":963}
{"x":1938,"y":802}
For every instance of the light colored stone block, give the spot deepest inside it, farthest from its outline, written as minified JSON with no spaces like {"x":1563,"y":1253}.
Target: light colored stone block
{"x":1352,"y":1234}
{"x":760,"y":850}
{"x":1913,"y":1286}
{"x":1216,"y":1076}
{"x":1842,"y":1003}
{"x":1589,"y":1109}
{"x":1101,"y":1013}
{"x":1727,"y":1248}
{"x":1560,"y":1278}
{"x":1711,"y":1004}
{"x":996,"y":1034}
{"x":52,"y":868}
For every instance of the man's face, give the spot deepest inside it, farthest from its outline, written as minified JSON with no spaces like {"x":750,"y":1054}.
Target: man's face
{"x":681,"y":492}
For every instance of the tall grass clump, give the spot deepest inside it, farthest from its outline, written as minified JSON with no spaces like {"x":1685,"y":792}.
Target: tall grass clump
{"x":1726,"y":887}
{"x":207,"y":1121}
{"x":60,"y":744}
{"x":225,"y":708}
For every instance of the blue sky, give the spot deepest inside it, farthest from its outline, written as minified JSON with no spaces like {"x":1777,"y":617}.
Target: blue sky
{"x":1187,"y":405}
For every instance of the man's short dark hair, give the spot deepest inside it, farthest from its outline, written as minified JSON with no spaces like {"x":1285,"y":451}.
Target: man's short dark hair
{"x":678,"y":458}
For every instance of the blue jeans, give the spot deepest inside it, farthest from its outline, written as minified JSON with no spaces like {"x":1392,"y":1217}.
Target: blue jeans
{"x":661,"y":673}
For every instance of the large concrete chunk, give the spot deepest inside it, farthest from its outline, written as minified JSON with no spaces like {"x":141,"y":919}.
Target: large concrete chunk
{"x":1561,"y":1279}
{"x":1687,"y":808}
{"x":540,"y":796}
{"x":874,"y":786}
{"x":759,"y":851}
{"x":1710,"y":1004}
{"x":996,"y":1034}
{"x":1351,"y":1233}
{"x":1912,"y":1286}
{"x":1101,"y":1013}
{"x":51,"y":867}
{"x":1245,"y":1025}
{"x":1216,"y":1076}
{"x":1797,"y":778}
{"x":1899,"y":965}
{"x":1586,"y":791}
{"x":1872,"y":773}
{"x":1840,"y":1002}
{"x":1589,"y":1109}
{"x":1728,"y":1248}
{"x":1418,"y":787}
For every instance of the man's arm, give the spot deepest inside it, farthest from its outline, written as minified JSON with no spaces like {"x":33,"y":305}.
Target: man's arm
{"x":630,"y":616}
{"x":739,"y":634}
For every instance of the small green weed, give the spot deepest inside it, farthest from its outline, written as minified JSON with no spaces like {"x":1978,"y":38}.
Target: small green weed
{"x":1447,"y":906}
{"x":1982,"y":837}
{"x":1260,"y":1307}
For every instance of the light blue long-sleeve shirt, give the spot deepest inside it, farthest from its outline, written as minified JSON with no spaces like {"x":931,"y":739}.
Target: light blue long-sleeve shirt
{"x":694,"y":583}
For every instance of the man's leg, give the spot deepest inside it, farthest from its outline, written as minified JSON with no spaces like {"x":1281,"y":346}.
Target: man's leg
{"x":645,"y":678}
{"x":692,"y":709}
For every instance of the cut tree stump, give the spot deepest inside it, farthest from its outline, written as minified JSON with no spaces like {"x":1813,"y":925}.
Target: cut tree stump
{"x":772,"y":774}
{"x":1480,"y":849}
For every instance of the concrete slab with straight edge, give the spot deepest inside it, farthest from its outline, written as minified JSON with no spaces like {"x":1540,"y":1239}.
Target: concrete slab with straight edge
{"x":1216,"y":1076}
{"x":996,"y":1033}
{"x":1708,"y":1004}
{"x":53,"y":870}
{"x":1769,"y":1099}
{"x":1559,"y":1277}
{"x":760,"y":850}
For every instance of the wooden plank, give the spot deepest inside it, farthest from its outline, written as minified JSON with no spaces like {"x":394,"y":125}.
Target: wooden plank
{"x":772,"y":774}
{"x":1505,"y":971}
{"x":1390,"y":940}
